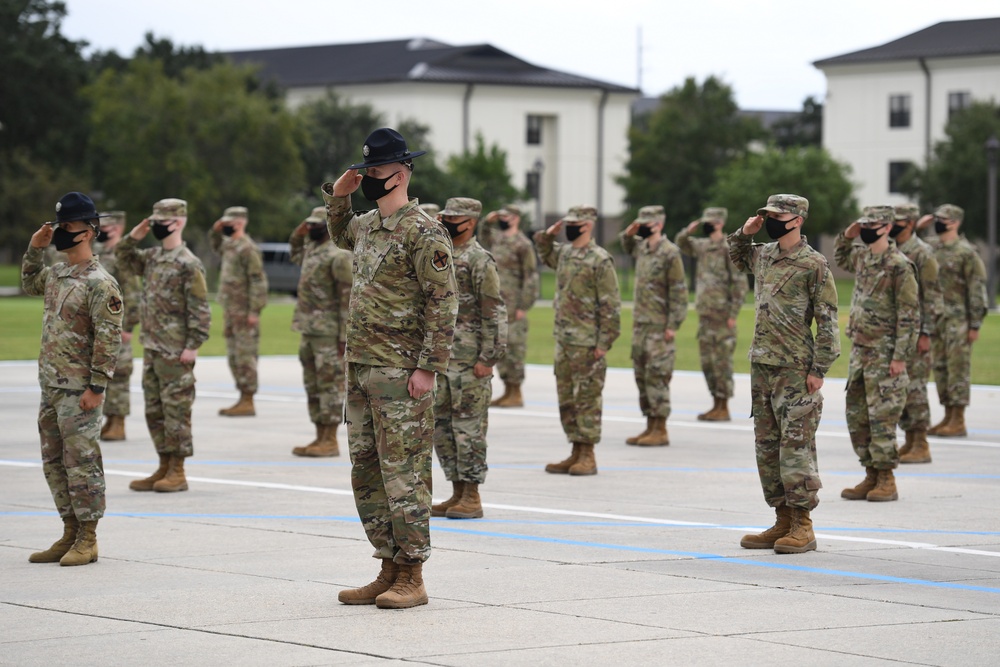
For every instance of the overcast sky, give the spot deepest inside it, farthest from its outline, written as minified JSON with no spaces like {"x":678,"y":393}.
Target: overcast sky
{"x":763,"y":48}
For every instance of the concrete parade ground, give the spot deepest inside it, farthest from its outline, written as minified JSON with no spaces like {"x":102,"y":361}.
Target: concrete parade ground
{"x":639,"y":565}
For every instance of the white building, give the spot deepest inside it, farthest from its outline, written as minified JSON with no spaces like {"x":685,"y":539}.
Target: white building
{"x":570,"y":128}
{"x":887,"y":106}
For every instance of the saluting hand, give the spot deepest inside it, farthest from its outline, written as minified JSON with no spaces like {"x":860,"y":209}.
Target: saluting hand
{"x":302,"y":229}
{"x":753,"y":225}
{"x":43,"y":236}
{"x":925,"y":221}
{"x":139,"y":231}
{"x":632,"y":229}
{"x":693,"y":225}
{"x":554,"y":229}
{"x":349,"y":181}
{"x":852,"y":231}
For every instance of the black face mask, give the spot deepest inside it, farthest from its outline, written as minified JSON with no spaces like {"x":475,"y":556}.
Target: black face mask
{"x":644,"y":232}
{"x":939,"y":226}
{"x":374,"y":188}
{"x":452,"y":227}
{"x":64,"y":239}
{"x":228,"y":230}
{"x":161,"y":231}
{"x":317,"y":233}
{"x":870,"y":235}
{"x":896,"y":230}
{"x":708,"y":228}
{"x":573,"y":232}
{"x":102,"y":236}
{"x":776,"y":228}
{"x":503,"y":224}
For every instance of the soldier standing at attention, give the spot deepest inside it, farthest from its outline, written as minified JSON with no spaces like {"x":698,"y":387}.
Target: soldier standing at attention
{"x":324,"y":295}
{"x":175,"y":322}
{"x":916,"y":417}
{"x":587,"y":322}
{"x":81,"y":333}
{"x":720,"y":290}
{"x":399,"y":333}
{"x":463,"y":391}
{"x":962,"y":276}
{"x":885,"y":314}
{"x":661,"y":301}
{"x":117,"y":402}
{"x":518,"y":271}
{"x":793,"y":288}
{"x":242,"y":295}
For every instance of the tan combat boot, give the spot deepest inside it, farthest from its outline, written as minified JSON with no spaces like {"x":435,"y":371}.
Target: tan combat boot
{"x":107,"y":423}
{"x":908,"y":444}
{"x":704,"y":415}
{"x":441,"y":509}
{"x":174,"y":479}
{"x":495,"y":403}
{"x":407,"y":591}
{"x":147,"y":484}
{"x":955,"y":427}
{"x":61,"y":546}
{"x":920,"y":449}
{"x":800,"y":537}
{"x":860,"y":492}
{"x":470,"y":506}
{"x":367,"y":594}
{"x":585,"y":463}
{"x":563,"y":466}
{"x":885,"y":488}
{"x":657,"y":437}
{"x":634,"y":440}
{"x":115,"y":429}
{"x":325,"y":445}
{"x":933,"y":430}
{"x":721,"y":411}
{"x":513,"y":399}
{"x":84,"y":550}
{"x":766,"y":540}
{"x":301,"y":451}
{"x":242,"y":408}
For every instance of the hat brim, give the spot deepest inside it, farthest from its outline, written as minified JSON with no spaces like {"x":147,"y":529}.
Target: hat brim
{"x":380,"y":161}
{"x":770,"y":209}
{"x":78,"y":218}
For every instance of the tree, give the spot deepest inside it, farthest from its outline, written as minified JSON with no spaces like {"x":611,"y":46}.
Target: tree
{"x":333,"y":132}
{"x":482,"y":174}
{"x":958,"y":170}
{"x":175,"y":59}
{"x":744,"y":185}
{"x":676,"y":150}
{"x":802,"y":129}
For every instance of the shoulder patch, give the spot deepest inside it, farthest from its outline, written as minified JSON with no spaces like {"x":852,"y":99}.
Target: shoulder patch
{"x":440,"y":261}
{"x":115,"y":305}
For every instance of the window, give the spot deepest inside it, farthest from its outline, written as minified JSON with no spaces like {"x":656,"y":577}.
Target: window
{"x":899,"y":111}
{"x":896,"y":172}
{"x":531,"y":184}
{"x":534,"y":130}
{"x":957,"y":102}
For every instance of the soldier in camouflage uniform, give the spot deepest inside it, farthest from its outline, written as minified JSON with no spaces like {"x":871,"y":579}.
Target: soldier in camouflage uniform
{"x":962,"y":276}
{"x":793,"y":287}
{"x":117,"y":403}
{"x":885,"y":314}
{"x":463,"y":391}
{"x":587,"y":321}
{"x":175,"y":322}
{"x":81,"y":334}
{"x":518,"y":270}
{"x":399,"y":333}
{"x":242,"y":295}
{"x":916,"y":417}
{"x":719,"y":293}
{"x":661,"y":301}
{"x":324,"y":295}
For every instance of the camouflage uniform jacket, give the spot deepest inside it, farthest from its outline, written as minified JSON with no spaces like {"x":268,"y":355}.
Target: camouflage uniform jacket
{"x":404,"y":301}
{"x":130,"y":285}
{"x":885,"y":310}
{"x":175,"y":313}
{"x":922,"y":256}
{"x":661,"y":296}
{"x":242,"y":281}
{"x":82,"y":322}
{"x":792,"y":288}
{"x":481,"y":327}
{"x":324,"y":287}
{"x":962,"y":276}
{"x":587,"y":303}
{"x":720,"y":288}
{"x":517,"y":266}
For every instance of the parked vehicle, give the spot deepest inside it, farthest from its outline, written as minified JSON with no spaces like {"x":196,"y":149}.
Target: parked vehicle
{"x":282,"y":273}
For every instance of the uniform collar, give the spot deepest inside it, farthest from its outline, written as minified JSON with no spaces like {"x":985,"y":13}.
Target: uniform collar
{"x":76,"y":270}
{"x":776,"y":253}
{"x":389,"y":224}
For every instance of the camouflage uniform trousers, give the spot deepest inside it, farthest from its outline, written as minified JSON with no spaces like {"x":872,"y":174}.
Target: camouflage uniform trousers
{"x":325,"y":378}
{"x":511,"y":367}
{"x":391,"y":436}
{"x":242,"y":348}
{"x":785,"y":418}
{"x":653,"y":365}
{"x":116,"y":398}
{"x":952,"y":362}
{"x":917,"y":411}
{"x":71,"y":455}
{"x":874,"y":403}
{"x":580,"y":386}
{"x":168,"y":389}
{"x":717,"y":343}
{"x":461,"y":411}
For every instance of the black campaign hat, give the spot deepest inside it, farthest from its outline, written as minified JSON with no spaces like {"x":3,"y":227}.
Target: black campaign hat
{"x":76,"y":206}
{"x":385,"y":146}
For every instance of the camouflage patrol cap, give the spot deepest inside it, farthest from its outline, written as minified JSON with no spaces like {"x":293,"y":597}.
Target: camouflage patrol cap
{"x":715,"y":214}
{"x":430,"y":209}
{"x":651,"y":214}
{"x":950,"y":212}
{"x":786,"y":204}
{"x":878,"y":213}
{"x":463,"y":206}
{"x":235,"y":213}
{"x":168,"y":209}
{"x":581,"y":214}
{"x":113,"y":218}
{"x":511,"y":209}
{"x":318,"y":216}
{"x":906,"y":212}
